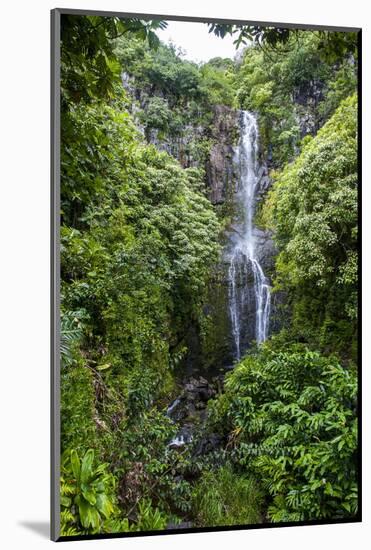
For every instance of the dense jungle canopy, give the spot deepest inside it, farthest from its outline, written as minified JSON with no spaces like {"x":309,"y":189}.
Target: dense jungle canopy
{"x":141,"y":256}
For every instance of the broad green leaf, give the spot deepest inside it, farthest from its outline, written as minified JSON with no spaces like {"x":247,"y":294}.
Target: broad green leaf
{"x":75,"y":464}
{"x":89,"y":495}
{"x":89,"y":515}
{"x":87,"y":466}
{"x":66,"y":501}
{"x":104,"y":505}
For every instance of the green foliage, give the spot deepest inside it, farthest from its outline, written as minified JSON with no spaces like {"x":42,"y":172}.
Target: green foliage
{"x":89,"y":67}
{"x":245,"y":34}
{"x":139,"y":252}
{"x":291,"y":419}
{"x":78,"y":429}
{"x":217,"y":81}
{"x":293,"y":90}
{"x":97,"y":142}
{"x":313,"y":211}
{"x":339,"y":88}
{"x":89,"y":502}
{"x":87,"y":494}
{"x":144,"y":241}
{"x":224,"y":498}
{"x":138,"y":242}
{"x":149,"y":518}
{"x":173,"y":99}
{"x":163,"y":70}
{"x":157,"y":114}
{"x":332,"y":45}
{"x":148,"y":465}
{"x":71,"y":334}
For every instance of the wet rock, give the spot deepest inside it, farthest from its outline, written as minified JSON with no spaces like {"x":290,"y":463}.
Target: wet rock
{"x":219,"y":167}
{"x":182,"y":438}
{"x":177,"y":410}
{"x":263,"y":179}
{"x":190,"y":408}
{"x":209,"y":443}
{"x":198,"y":390}
{"x":266,"y":250}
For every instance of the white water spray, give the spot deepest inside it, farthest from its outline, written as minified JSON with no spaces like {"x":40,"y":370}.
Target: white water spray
{"x":243,"y":258}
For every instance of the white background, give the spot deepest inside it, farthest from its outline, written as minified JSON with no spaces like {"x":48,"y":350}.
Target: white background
{"x":24,"y":255}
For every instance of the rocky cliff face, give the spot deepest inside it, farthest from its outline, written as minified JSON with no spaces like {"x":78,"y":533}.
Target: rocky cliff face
{"x":306,"y":99}
{"x":218,"y":345}
{"x":216,"y":134}
{"x":219,"y":166}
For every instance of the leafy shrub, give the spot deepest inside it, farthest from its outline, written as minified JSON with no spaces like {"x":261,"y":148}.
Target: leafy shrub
{"x":87,"y":494}
{"x":291,"y":419}
{"x":150,"y":518}
{"x":293,"y":91}
{"x":312,"y":208}
{"x":138,"y":251}
{"x":139,"y":242}
{"x":89,"y":502}
{"x":78,"y":429}
{"x":157,"y":113}
{"x":71,"y":335}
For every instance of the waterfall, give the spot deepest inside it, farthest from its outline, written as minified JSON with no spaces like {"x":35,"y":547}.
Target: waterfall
{"x":243,"y":260}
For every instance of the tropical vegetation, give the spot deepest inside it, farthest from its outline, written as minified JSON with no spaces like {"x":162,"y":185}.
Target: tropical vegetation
{"x":141,"y":251}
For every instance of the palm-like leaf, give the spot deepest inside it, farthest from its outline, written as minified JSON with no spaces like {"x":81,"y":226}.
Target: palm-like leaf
{"x":71,"y":333}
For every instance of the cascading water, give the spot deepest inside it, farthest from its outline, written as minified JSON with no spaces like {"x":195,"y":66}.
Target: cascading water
{"x":243,"y":258}
{"x":249,"y":293}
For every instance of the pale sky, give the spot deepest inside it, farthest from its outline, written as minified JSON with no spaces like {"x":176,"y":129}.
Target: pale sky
{"x":194,"y":38}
